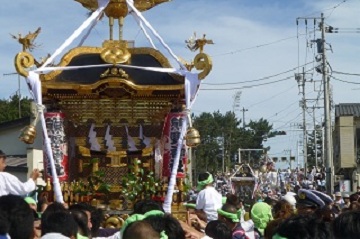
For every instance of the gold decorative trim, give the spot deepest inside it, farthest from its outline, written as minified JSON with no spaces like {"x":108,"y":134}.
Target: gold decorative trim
{"x":117,"y":9}
{"x":108,"y":83}
{"x":115,"y":55}
{"x":66,"y":59}
{"x":203,"y":62}
{"x":23,"y":60}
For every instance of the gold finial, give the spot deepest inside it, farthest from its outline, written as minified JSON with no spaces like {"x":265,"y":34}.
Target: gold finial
{"x":28,"y":40}
{"x":193,"y":43}
{"x":119,"y":8}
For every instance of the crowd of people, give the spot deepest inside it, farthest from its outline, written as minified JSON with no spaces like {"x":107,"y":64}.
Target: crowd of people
{"x":302,"y":213}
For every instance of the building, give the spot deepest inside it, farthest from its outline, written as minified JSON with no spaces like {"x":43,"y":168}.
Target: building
{"x":21,"y":158}
{"x":346,"y":143}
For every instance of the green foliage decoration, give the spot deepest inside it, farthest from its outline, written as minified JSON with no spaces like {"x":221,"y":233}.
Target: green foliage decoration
{"x":138,"y":183}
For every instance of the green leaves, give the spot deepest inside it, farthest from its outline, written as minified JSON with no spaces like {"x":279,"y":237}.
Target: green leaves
{"x":140,"y":185}
{"x":227,"y":127}
{"x":9,"y":108}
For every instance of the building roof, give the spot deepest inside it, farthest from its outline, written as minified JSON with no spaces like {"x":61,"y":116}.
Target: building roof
{"x":16,"y":161}
{"x":15,"y":123}
{"x":347,"y":109}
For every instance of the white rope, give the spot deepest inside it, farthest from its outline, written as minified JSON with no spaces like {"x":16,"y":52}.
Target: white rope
{"x":141,"y":25}
{"x":191,"y":88}
{"x":102,"y":5}
{"x":143,"y":20}
{"x":34,"y":84}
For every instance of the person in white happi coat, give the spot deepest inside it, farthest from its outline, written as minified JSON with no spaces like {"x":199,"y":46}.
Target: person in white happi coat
{"x":208,"y":200}
{"x":10,"y":184}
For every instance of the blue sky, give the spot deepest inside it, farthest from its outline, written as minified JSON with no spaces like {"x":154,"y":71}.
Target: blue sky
{"x":253,"y":39}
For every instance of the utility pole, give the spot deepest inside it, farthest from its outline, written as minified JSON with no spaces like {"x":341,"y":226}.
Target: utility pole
{"x":328,"y":141}
{"x":298,"y":154}
{"x":315,"y":139}
{"x":300,"y":78}
{"x":243,"y":112}
{"x":316,"y":134}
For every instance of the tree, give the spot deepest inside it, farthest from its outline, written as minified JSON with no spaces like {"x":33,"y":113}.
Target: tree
{"x":214,"y":126}
{"x":9,"y":109}
{"x":313,"y":144}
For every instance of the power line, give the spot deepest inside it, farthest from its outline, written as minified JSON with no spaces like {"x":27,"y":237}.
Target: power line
{"x":327,"y":9}
{"x":257,"y":46}
{"x":289,"y":121}
{"x":251,"y":86}
{"x":277,"y":94}
{"x":345,"y":73}
{"x":261,"y":79}
{"x":348,"y":82}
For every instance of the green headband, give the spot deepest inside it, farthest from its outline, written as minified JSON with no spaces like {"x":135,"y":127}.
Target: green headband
{"x":233,"y":216}
{"x":30,"y":200}
{"x":79,"y":236}
{"x":277,"y":236}
{"x":190,"y":205}
{"x":163,"y":235}
{"x":202,"y":184}
{"x":239,"y":213}
{"x":140,"y":217}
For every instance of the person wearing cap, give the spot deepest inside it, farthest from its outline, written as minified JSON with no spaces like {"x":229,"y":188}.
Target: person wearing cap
{"x":209,"y":200}
{"x":9,"y":184}
{"x":307,"y":202}
{"x":290,"y":198}
{"x":338,"y":200}
{"x":347,"y":202}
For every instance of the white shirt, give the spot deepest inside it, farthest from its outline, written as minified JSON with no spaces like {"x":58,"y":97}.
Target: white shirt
{"x":206,"y":237}
{"x":271,"y":178}
{"x":248,"y":227}
{"x":9,"y":184}
{"x":116,"y":235}
{"x":54,"y":235}
{"x":209,"y":200}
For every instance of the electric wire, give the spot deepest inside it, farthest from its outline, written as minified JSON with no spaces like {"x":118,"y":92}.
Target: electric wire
{"x":255,"y":47}
{"x":345,"y":73}
{"x":327,"y":9}
{"x":261,"y":79}
{"x":248,"y":86}
{"x":289,"y":121}
{"x":348,"y":82}
{"x":272,"y":97}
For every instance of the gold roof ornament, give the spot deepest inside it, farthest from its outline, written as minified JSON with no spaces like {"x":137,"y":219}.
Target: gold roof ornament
{"x":118,"y":8}
{"x":194,"y":44}
{"x":28,"y":40}
{"x":202,"y":61}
